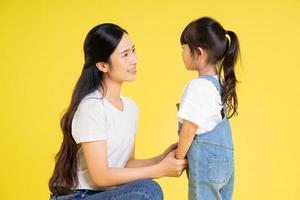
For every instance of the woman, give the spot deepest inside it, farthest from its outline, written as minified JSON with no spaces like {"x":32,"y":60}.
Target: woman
{"x":96,"y":159}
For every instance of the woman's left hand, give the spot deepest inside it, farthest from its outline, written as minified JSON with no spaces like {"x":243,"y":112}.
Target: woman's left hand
{"x":167,"y":151}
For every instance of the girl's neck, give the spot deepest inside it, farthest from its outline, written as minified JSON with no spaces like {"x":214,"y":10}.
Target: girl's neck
{"x":112,"y":90}
{"x":208,"y":70}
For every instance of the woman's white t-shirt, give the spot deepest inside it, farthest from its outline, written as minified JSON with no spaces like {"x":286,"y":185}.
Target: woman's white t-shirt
{"x":201,"y":104}
{"x":97,"y":119}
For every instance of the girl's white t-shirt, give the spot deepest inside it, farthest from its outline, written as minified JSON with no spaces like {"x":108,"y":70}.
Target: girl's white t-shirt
{"x":201,"y":104}
{"x":97,"y":119}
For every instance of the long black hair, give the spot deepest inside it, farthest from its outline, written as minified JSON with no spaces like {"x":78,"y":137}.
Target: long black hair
{"x":222,"y":47}
{"x":99,"y":44}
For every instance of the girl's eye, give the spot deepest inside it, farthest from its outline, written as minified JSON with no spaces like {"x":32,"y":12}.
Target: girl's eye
{"x":133,"y":50}
{"x":125,"y":55}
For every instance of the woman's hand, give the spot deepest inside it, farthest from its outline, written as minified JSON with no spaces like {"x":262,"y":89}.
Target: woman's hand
{"x":170,"y":166}
{"x":167,"y":151}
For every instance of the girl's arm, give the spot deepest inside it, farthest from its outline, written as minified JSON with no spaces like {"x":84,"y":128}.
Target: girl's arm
{"x":95,"y":155}
{"x":132,"y":162}
{"x":186,"y":137}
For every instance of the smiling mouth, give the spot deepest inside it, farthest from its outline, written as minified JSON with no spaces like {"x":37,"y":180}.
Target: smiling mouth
{"x":132,"y":70}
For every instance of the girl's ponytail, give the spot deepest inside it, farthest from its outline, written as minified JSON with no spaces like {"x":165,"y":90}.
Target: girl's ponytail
{"x":229,"y":97}
{"x":223,"y":49}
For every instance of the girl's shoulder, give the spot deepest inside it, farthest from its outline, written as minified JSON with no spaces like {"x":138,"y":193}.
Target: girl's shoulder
{"x":200,"y":85}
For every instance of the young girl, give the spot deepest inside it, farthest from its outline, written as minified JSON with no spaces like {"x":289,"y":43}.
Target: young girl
{"x":207,"y":104}
{"x":96,"y":159}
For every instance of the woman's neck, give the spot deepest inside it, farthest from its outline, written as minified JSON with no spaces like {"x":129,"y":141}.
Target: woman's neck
{"x":112,"y":90}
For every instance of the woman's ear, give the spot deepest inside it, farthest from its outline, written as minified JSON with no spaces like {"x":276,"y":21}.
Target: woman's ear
{"x":102,"y":66}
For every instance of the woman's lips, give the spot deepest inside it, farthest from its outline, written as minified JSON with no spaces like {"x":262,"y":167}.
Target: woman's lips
{"x":132,"y":71}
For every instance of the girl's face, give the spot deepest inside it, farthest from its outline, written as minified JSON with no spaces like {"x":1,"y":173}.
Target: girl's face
{"x":122,"y":64}
{"x":194,"y":61}
{"x":188,"y":58}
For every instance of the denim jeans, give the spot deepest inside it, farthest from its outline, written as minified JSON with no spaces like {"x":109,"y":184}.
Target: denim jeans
{"x":139,"y":190}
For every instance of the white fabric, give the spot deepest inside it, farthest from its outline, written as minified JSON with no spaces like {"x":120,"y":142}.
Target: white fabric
{"x":97,"y":119}
{"x":201,"y":104}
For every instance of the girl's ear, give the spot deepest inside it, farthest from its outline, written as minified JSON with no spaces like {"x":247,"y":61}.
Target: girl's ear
{"x":200,"y":52}
{"x":202,"y":55}
{"x":102,"y":66}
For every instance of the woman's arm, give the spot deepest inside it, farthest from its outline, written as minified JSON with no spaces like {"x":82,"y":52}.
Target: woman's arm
{"x":186,"y":137}
{"x":95,"y":155}
{"x":132,"y":162}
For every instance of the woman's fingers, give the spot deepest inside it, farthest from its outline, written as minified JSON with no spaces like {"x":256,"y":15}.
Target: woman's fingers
{"x":174,"y":167}
{"x":182,"y":161}
{"x":173,"y":146}
{"x":172,"y":153}
{"x":182,"y":165}
{"x":180,"y":170}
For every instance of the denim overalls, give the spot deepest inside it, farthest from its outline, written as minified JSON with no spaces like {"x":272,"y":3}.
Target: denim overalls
{"x":211,"y":162}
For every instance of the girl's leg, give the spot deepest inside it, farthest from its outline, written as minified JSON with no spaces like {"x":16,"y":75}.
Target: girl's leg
{"x":139,"y":190}
{"x":211,"y":169}
{"x":227,"y":190}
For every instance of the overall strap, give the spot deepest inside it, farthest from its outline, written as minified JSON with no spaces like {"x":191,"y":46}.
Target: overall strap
{"x":217,"y":84}
{"x":213,"y":80}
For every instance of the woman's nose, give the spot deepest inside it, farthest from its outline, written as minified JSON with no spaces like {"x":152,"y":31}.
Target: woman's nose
{"x":134,"y":59}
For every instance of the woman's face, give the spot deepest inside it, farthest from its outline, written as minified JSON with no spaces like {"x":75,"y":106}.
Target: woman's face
{"x":123,"y":61}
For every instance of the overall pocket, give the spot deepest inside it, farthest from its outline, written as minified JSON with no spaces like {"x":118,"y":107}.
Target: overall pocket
{"x":220,"y":166}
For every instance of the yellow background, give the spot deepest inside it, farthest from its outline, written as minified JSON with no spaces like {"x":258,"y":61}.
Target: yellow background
{"x":41,"y":58}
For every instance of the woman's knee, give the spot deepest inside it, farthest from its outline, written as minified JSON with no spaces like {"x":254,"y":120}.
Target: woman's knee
{"x":152,"y":188}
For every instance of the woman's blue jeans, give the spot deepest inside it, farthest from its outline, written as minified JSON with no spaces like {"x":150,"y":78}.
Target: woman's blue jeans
{"x":146,"y":189}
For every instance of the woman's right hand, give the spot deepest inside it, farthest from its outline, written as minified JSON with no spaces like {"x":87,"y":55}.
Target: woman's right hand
{"x":170,"y":166}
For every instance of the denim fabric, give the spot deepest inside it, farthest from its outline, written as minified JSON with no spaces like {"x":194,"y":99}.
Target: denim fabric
{"x":211,"y":165}
{"x":211,"y":161}
{"x":139,"y":190}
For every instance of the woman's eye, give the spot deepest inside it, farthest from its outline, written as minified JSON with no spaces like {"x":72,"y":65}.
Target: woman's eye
{"x":133,"y":50}
{"x":125,"y":55}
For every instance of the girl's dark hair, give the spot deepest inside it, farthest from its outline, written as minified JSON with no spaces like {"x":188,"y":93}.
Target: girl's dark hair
{"x":99,"y":44}
{"x":209,"y":34}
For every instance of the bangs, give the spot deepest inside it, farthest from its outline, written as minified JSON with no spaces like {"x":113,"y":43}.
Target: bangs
{"x":187,"y":34}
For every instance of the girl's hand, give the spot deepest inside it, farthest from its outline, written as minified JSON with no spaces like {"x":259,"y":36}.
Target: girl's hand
{"x":167,"y":151}
{"x":170,"y":166}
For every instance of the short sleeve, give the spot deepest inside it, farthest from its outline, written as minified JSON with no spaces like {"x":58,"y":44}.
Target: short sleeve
{"x":198,"y":102}
{"x":89,"y":123}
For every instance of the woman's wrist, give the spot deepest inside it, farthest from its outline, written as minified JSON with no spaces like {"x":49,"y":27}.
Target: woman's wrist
{"x":158,"y":171}
{"x":159,"y":158}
